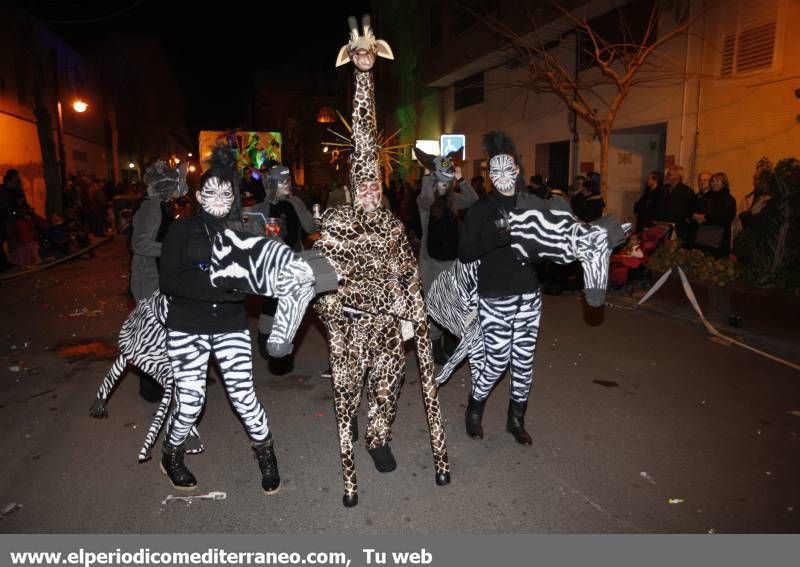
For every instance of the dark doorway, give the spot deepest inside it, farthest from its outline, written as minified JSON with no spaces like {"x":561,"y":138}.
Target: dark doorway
{"x":552,"y":163}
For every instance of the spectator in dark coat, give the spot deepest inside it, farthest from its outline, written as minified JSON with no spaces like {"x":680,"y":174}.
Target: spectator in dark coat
{"x":588,"y":205}
{"x":720,"y":212}
{"x":677,"y":202}
{"x":647,"y":207}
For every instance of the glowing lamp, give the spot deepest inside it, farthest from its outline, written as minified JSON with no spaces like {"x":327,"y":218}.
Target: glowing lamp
{"x":80,"y":106}
{"x":325,"y":149}
{"x":131,"y":165}
{"x":326,"y":115}
{"x":192,"y":168}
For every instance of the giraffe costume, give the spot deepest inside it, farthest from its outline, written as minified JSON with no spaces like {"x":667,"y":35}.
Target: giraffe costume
{"x":378,"y":304}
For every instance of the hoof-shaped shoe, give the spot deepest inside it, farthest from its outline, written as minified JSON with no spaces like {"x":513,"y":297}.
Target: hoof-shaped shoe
{"x":350,"y":500}
{"x":442,"y":478}
{"x":383,"y":458}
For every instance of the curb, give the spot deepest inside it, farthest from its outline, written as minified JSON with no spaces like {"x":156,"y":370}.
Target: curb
{"x":22,"y":274}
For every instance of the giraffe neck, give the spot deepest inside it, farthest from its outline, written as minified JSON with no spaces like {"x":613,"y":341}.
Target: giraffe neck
{"x":364,"y":164}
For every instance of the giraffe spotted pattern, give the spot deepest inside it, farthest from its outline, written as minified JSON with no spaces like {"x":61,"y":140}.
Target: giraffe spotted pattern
{"x":380,"y":290}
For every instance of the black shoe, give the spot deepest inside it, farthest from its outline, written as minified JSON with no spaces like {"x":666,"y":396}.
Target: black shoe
{"x":440,"y":356}
{"x":383,"y":458}
{"x":172,"y":466}
{"x":262,"y":345}
{"x":473,"y":417}
{"x":265,"y":455}
{"x":281,"y":366}
{"x":516,"y":422}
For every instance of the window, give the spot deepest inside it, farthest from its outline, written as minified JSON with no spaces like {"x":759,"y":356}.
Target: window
{"x":748,"y":42}
{"x":468,"y":91}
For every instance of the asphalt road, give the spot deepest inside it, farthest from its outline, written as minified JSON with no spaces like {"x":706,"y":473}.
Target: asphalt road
{"x":628,"y":414}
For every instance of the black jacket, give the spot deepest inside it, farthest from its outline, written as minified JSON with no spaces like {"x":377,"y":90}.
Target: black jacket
{"x":720,"y":211}
{"x":196,"y":307}
{"x":676,"y":207}
{"x":589,"y":208}
{"x":500,"y":273}
{"x":647,"y":207}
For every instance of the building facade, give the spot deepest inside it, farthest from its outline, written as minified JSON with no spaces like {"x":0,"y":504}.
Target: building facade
{"x":68,"y":78}
{"x":718,"y":98}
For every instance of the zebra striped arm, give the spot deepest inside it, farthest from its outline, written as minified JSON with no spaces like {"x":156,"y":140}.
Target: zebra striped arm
{"x":248,"y":263}
{"x":543,"y":234}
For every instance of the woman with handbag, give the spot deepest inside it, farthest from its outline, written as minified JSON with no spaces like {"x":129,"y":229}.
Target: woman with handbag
{"x":714,"y":232}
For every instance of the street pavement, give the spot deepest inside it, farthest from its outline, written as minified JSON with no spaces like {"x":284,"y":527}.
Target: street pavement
{"x":641,"y":424}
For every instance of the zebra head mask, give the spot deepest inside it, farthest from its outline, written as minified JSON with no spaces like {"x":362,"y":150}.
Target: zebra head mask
{"x":503,"y":172}
{"x":555,"y":234}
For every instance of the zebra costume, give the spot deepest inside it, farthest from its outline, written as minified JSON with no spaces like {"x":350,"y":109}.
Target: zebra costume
{"x":142,"y":343}
{"x":548,"y":231}
{"x":254,"y":264}
{"x":204,"y":319}
{"x":266,"y":266}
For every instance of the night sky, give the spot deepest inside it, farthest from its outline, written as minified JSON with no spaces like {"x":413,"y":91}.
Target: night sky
{"x":220,"y":35}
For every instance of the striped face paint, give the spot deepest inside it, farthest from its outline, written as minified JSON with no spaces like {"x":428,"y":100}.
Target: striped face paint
{"x":503,"y":172}
{"x":216,"y":197}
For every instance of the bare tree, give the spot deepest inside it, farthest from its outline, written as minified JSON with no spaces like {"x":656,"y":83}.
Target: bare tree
{"x":606,"y":65}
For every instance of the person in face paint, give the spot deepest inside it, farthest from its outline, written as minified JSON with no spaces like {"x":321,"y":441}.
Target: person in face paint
{"x":204,"y":320}
{"x":509,"y":299}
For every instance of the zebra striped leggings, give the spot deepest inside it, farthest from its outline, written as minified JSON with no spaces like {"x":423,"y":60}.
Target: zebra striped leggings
{"x":188,"y":355}
{"x":510,"y":327}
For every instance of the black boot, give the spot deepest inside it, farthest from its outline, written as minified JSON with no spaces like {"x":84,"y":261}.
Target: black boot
{"x":281,"y":366}
{"x":172,"y":466}
{"x":516,"y":422}
{"x":265,"y":455}
{"x":383,"y":458}
{"x":473,"y":417}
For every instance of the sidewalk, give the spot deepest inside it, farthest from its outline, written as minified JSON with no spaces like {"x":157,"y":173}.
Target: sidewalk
{"x":779,"y":338}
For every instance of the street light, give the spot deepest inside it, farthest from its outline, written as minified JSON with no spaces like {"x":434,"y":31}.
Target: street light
{"x":80,"y":106}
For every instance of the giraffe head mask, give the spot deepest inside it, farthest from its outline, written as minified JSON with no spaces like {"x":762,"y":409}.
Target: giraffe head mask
{"x":363,"y":48}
